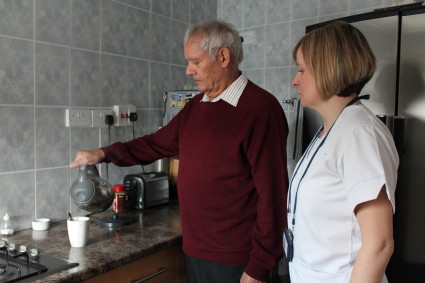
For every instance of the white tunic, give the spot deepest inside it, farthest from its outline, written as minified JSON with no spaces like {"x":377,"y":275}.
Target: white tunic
{"x":356,"y":160}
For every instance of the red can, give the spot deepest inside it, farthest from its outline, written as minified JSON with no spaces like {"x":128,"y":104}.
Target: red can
{"x":120,"y":198}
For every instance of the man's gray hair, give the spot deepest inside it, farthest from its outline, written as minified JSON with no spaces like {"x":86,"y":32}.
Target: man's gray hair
{"x":215,"y":35}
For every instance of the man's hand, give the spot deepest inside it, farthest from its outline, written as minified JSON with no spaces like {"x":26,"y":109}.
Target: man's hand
{"x":87,"y":157}
{"x":248,"y":279}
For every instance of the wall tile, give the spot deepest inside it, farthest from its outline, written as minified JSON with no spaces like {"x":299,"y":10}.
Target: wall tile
{"x":178,"y":31}
{"x":51,"y":75}
{"x":138,"y":34}
{"x":113,"y":29}
{"x":113,"y":80}
{"x":83,"y":139}
{"x":293,"y":91}
{"x":138,"y":83}
{"x":333,"y":17}
{"x":115,"y":174}
{"x":327,"y":7}
{"x":179,"y":9}
{"x":231,"y":11}
{"x":142,"y":123}
{"x":155,"y":119}
{"x":253,"y":14}
{"x":160,"y":39}
{"x":210,"y":9}
{"x":52,"y":21}
{"x":20,"y":201}
{"x":303,"y":9}
{"x":51,"y":138}
{"x":16,"y":138}
{"x":160,"y":76}
{"x":277,"y":82}
{"x":52,"y":197}
{"x":178,"y":79}
{"x":85,"y":78}
{"x":298,"y":30}
{"x":256,"y":76}
{"x":116,"y":134}
{"x":277,"y":45}
{"x":85,"y":24}
{"x":254,"y":53}
{"x":364,"y":4}
{"x":277,"y":11}
{"x":16,"y":18}
{"x":143,"y":4}
{"x":16,"y":71}
{"x":162,"y":7}
{"x":201,"y":10}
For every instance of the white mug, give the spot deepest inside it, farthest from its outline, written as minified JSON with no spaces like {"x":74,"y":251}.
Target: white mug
{"x":78,"y":231}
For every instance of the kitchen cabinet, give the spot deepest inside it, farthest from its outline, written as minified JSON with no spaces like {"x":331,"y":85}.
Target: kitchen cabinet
{"x":168,"y":265}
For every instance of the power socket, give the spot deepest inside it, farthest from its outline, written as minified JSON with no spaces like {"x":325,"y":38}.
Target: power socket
{"x":98,"y":118}
{"x":78,"y":118}
{"x":122,"y":114}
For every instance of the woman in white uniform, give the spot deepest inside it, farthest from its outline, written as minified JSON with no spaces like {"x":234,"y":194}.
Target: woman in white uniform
{"x":341,"y":196}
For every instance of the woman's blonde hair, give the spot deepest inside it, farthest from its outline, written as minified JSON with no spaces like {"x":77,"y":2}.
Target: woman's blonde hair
{"x":339,"y":58}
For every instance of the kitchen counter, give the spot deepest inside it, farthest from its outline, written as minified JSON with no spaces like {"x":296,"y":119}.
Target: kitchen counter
{"x":154,"y":229}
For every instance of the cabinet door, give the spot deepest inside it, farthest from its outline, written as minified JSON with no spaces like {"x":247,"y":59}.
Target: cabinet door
{"x":164,"y":266}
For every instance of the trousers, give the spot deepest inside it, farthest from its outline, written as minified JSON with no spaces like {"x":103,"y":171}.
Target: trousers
{"x":205,"y":271}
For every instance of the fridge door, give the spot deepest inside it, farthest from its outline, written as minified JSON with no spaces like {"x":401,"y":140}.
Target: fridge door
{"x":381,"y":31}
{"x":409,"y":230}
{"x":382,"y":35}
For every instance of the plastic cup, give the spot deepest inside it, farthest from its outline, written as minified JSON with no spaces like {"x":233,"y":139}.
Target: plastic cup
{"x":78,"y":231}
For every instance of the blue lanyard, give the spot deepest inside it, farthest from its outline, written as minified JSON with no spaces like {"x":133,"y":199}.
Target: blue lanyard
{"x":311,"y":160}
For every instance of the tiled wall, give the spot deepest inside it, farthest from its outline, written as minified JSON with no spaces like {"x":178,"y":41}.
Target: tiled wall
{"x":56,"y":54}
{"x":278,"y":24}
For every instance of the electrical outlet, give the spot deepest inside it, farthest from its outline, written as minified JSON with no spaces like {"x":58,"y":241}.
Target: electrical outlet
{"x":98,"y":118}
{"x":122,"y":114}
{"x":78,"y":118}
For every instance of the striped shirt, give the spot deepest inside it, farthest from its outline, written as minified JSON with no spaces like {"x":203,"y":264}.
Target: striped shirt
{"x":231,"y":94}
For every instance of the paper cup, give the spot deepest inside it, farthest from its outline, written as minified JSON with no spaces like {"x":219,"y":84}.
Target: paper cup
{"x":78,"y":231}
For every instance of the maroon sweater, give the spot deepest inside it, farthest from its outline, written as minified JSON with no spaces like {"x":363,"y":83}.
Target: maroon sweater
{"x":232,"y":179}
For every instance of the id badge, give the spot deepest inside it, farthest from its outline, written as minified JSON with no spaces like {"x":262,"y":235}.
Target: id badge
{"x":288,"y":244}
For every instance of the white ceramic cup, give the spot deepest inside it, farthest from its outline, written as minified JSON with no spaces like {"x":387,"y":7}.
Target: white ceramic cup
{"x":78,"y":231}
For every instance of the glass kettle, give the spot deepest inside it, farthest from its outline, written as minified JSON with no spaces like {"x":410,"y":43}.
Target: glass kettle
{"x":90,"y":192}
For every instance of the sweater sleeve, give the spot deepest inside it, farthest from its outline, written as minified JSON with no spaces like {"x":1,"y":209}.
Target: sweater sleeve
{"x":146,"y":149}
{"x":267,"y":156}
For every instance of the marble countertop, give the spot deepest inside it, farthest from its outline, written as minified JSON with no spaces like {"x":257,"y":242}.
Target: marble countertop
{"x":153,"y":229}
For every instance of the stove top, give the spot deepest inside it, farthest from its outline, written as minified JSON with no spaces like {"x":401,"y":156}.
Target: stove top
{"x":20,"y":264}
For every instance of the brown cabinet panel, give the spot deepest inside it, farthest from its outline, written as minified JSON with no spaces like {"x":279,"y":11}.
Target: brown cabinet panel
{"x":165,"y":266}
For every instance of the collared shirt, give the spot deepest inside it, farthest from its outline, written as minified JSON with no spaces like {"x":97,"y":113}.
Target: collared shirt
{"x":231,"y":94}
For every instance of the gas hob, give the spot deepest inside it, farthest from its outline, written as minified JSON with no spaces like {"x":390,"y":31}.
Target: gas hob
{"x":22,"y":264}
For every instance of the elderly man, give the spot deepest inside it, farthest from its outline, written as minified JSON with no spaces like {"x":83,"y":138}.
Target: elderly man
{"x":232,"y":182}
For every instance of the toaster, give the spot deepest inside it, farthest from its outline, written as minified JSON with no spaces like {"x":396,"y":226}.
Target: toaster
{"x":147,"y":189}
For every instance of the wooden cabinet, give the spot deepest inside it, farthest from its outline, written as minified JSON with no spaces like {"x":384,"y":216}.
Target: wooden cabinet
{"x":165,"y":266}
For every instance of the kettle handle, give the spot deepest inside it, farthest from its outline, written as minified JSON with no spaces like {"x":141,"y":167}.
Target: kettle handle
{"x":92,"y":170}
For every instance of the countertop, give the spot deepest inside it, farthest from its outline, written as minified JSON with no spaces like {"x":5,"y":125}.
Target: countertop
{"x":154,"y":229}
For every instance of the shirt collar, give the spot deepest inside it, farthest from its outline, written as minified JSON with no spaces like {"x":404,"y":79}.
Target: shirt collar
{"x":231,"y":94}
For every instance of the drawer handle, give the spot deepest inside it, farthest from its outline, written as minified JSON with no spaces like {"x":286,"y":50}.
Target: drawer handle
{"x":160,"y":271}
